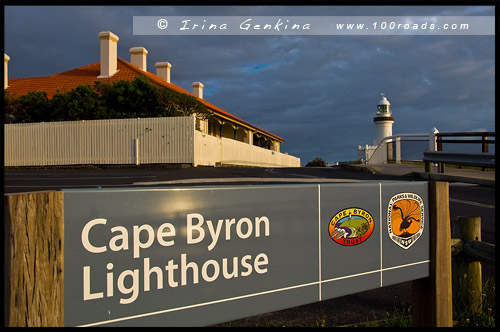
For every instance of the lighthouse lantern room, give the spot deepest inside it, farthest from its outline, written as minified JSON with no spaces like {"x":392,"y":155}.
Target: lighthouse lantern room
{"x":383,"y":120}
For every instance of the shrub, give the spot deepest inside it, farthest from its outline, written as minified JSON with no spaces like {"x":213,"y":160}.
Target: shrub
{"x":317,"y":162}
{"x":124,"y":99}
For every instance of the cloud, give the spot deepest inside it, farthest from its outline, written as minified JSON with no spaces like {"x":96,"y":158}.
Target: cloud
{"x":317,"y":92}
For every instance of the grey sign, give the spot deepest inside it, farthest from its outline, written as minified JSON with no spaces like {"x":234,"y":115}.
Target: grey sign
{"x":200,"y":256}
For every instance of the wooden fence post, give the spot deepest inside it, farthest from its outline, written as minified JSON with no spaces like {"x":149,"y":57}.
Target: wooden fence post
{"x":34,"y":259}
{"x":467,"y":277}
{"x":428,"y":167}
{"x":432,"y":296}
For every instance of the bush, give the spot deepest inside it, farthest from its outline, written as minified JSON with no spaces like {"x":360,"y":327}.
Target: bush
{"x":317,"y":162}
{"x":81,"y":103}
{"x":31,"y":107}
{"x":124,"y":99}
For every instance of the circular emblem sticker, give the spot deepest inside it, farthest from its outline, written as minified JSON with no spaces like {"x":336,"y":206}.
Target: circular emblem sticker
{"x":351,"y":226}
{"x":405,"y":219}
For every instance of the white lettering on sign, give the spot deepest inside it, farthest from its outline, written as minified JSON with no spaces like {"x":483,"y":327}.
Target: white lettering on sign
{"x":244,"y":228}
{"x":120,"y":241}
{"x":183,"y":273}
{"x":175,"y":273}
{"x":85,"y":236}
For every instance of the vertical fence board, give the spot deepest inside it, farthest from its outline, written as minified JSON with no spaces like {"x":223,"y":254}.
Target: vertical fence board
{"x":161,"y":140}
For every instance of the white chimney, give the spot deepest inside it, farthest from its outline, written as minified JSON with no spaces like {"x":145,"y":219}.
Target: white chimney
{"x":109,"y":54}
{"x":6,"y":59}
{"x":198,"y":89}
{"x":163,"y":70}
{"x":138,"y":57}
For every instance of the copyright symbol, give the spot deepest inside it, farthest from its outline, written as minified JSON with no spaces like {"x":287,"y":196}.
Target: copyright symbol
{"x":162,"y":23}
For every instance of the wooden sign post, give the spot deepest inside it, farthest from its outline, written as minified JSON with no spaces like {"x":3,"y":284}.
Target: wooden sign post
{"x":432,"y":296}
{"x":34,"y":259}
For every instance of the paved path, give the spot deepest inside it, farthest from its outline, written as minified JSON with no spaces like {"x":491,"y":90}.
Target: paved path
{"x":486,"y":178}
{"x":36,"y":179}
{"x":55,"y":178}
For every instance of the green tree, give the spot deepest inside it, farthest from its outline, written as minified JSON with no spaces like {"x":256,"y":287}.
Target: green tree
{"x":9,"y":107}
{"x":140,"y":98}
{"x":184,"y":105}
{"x":123,"y":99}
{"x":81,"y":103}
{"x":31,"y":107}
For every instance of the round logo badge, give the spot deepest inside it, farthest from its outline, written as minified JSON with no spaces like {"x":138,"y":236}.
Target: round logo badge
{"x":351,"y":226}
{"x":405,"y":219}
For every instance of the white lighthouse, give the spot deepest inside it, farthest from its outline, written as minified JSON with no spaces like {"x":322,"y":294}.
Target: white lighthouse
{"x":383,"y":120}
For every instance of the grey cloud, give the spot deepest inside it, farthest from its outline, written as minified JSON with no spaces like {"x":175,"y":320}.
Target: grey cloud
{"x":318,"y":93}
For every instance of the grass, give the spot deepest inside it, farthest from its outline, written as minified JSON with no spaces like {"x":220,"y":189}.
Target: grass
{"x":402,"y":317}
{"x":462,"y":316}
{"x":399,"y":317}
{"x":485,"y":317}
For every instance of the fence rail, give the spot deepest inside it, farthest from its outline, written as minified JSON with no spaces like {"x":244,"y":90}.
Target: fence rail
{"x":390,"y":149}
{"x":484,"y":139}
{"x":484,"y":159}
{"x":466,"y":159}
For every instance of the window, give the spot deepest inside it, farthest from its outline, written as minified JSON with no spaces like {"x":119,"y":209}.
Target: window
{"x":382,"y":109}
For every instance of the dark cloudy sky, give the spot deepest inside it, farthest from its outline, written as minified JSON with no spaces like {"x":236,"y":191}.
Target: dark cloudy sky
{"x":317,"y":92}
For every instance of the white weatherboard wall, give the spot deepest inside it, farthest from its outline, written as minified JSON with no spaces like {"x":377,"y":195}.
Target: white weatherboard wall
{"x":211,"y":150}
{"x":130,"y":141}
{"x":207,"y":149}
{"x":239,"y":153}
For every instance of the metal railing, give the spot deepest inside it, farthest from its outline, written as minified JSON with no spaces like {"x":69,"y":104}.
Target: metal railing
{"x":483,"y":159}
{"x":485,"y":141}
{"x":390,"y":150}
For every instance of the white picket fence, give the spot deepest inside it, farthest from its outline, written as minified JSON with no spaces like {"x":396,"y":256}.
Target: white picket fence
{"x":129,"y":141}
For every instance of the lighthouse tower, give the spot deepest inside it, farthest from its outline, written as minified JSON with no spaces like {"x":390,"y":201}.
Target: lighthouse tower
{"x":383,"y":120}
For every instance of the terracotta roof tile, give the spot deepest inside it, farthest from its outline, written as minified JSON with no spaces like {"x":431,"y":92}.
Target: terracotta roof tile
{"x":65,"y":81}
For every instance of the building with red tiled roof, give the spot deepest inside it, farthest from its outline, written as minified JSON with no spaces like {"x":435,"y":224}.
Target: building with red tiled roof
{"x":128,"y":71}
{"x":111,"y":69}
